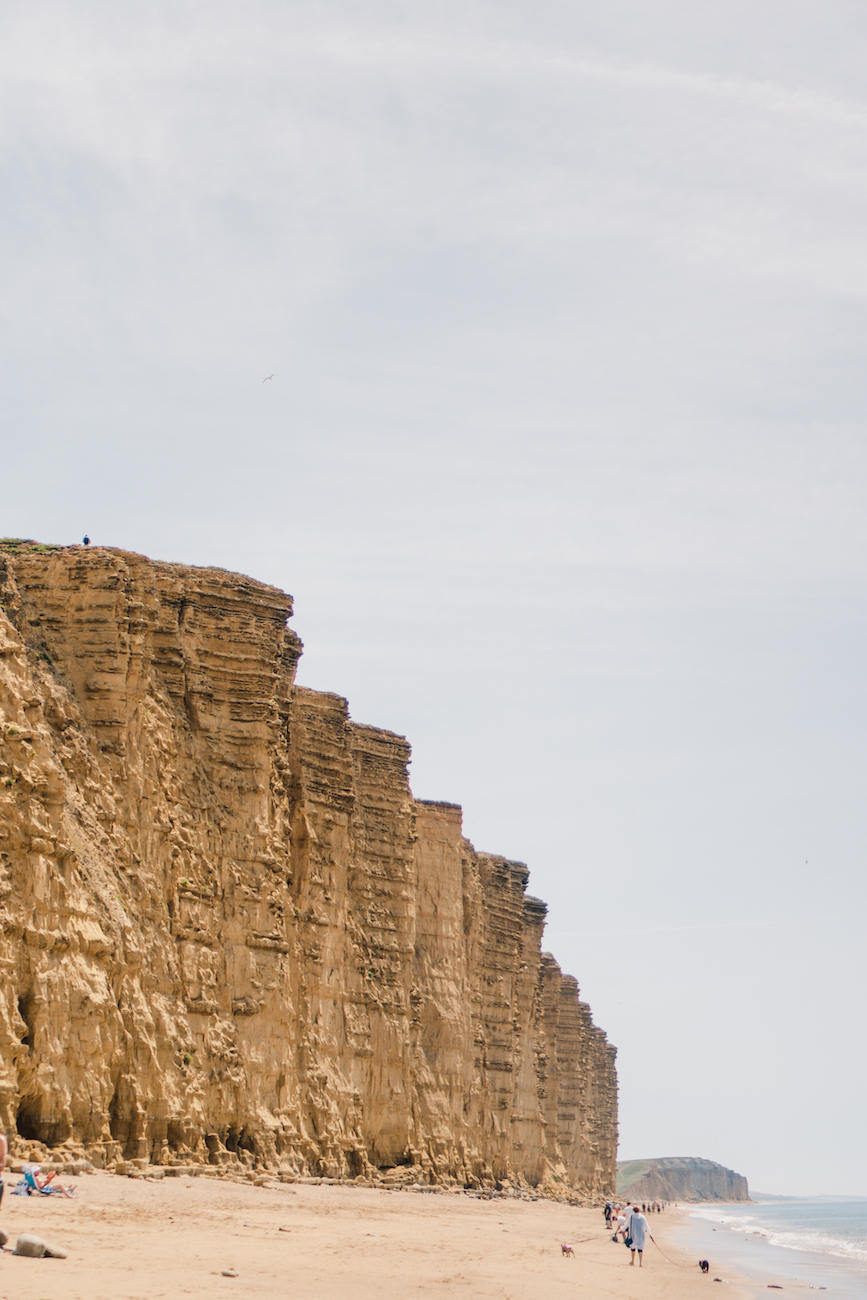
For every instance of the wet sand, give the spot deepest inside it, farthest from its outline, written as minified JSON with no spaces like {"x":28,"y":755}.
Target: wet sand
{"x":128,"y":1239}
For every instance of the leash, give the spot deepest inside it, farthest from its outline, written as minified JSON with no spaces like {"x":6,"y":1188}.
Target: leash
{"x":671,"y":1261}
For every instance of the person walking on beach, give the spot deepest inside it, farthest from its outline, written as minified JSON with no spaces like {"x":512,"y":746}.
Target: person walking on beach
{"x":635,"y":1235}
{"x":3,"y":1153}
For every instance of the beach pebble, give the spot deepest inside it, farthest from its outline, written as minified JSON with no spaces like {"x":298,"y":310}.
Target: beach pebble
{"x":36,"y":1248}
{"x":4,"y":1237}
{"x":229,"y":1272}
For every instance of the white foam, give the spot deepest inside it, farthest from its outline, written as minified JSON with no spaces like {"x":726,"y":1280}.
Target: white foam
{"x":787,"y":1237}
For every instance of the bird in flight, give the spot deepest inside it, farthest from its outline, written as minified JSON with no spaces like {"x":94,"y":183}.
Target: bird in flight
{"x":267,"y":377}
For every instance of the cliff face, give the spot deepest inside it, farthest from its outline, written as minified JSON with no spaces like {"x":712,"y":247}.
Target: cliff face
{"x":680,"y":1178}
{"x":229,"y":932}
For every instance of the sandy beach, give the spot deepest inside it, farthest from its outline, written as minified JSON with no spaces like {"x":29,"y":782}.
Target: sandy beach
{"x":133,"y":1238}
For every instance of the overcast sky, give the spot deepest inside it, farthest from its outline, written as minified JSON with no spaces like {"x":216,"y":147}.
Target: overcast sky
{"x":564,"y":461}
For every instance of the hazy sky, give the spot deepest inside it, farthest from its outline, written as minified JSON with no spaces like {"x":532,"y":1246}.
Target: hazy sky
{"x":564,"y":461}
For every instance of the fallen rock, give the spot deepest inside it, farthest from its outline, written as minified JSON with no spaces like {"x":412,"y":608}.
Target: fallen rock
{"x":36,"y":1248}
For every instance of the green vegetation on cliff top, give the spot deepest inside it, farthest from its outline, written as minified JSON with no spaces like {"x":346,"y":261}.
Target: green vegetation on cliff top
{"x":26,"y":544}
{"x":630,"y":1171}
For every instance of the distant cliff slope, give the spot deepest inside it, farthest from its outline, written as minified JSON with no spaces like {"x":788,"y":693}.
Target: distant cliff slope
{"x":228,"y":932}
{"x":679,"y":1178}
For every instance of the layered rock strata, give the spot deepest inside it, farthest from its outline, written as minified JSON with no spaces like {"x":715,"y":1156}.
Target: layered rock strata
{"x":229,"y":932}
{"x":680,"y":1178}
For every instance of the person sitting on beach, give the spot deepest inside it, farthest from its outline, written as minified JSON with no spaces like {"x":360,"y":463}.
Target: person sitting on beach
{"x":637,"y":1229}
{"x":35,"y":1183}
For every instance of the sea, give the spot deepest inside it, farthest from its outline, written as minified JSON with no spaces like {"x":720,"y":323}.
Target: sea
{"x":797,"y":1246}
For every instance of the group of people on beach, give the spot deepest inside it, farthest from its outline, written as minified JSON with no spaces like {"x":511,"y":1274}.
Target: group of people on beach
{"x":630,"y":1222}
{"x":647,"y":1207}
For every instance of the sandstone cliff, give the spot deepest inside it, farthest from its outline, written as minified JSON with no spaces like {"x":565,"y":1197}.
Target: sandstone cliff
{"x":231,"y":935}
{"x":680,"y":1178}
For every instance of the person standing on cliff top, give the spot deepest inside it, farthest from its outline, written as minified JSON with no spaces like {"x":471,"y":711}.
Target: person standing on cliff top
{"x":635,"y":1235}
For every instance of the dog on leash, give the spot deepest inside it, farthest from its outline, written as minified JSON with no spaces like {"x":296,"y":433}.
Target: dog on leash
{"x":567,"y":1250}
{"x":704,"y":1265}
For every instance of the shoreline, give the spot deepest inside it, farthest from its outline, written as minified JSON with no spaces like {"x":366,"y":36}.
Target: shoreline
{"x":764,"y":1263}
{"x":672,"y":1228}
{"x":135,"y":1239}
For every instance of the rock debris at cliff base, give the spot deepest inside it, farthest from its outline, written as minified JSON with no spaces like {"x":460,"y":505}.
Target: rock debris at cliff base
{"x":230,"y":934}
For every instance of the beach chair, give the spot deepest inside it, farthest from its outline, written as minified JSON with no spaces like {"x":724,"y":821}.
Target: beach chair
{"x":29,"y":1172}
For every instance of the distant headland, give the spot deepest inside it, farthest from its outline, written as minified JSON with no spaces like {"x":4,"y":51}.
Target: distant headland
{"x":680,"y":1178}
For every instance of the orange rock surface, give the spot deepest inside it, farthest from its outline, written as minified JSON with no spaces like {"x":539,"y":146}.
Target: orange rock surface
{"x":230,"y":934}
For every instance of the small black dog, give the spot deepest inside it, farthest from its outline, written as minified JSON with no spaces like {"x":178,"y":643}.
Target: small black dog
{"x":704,"y":1265}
